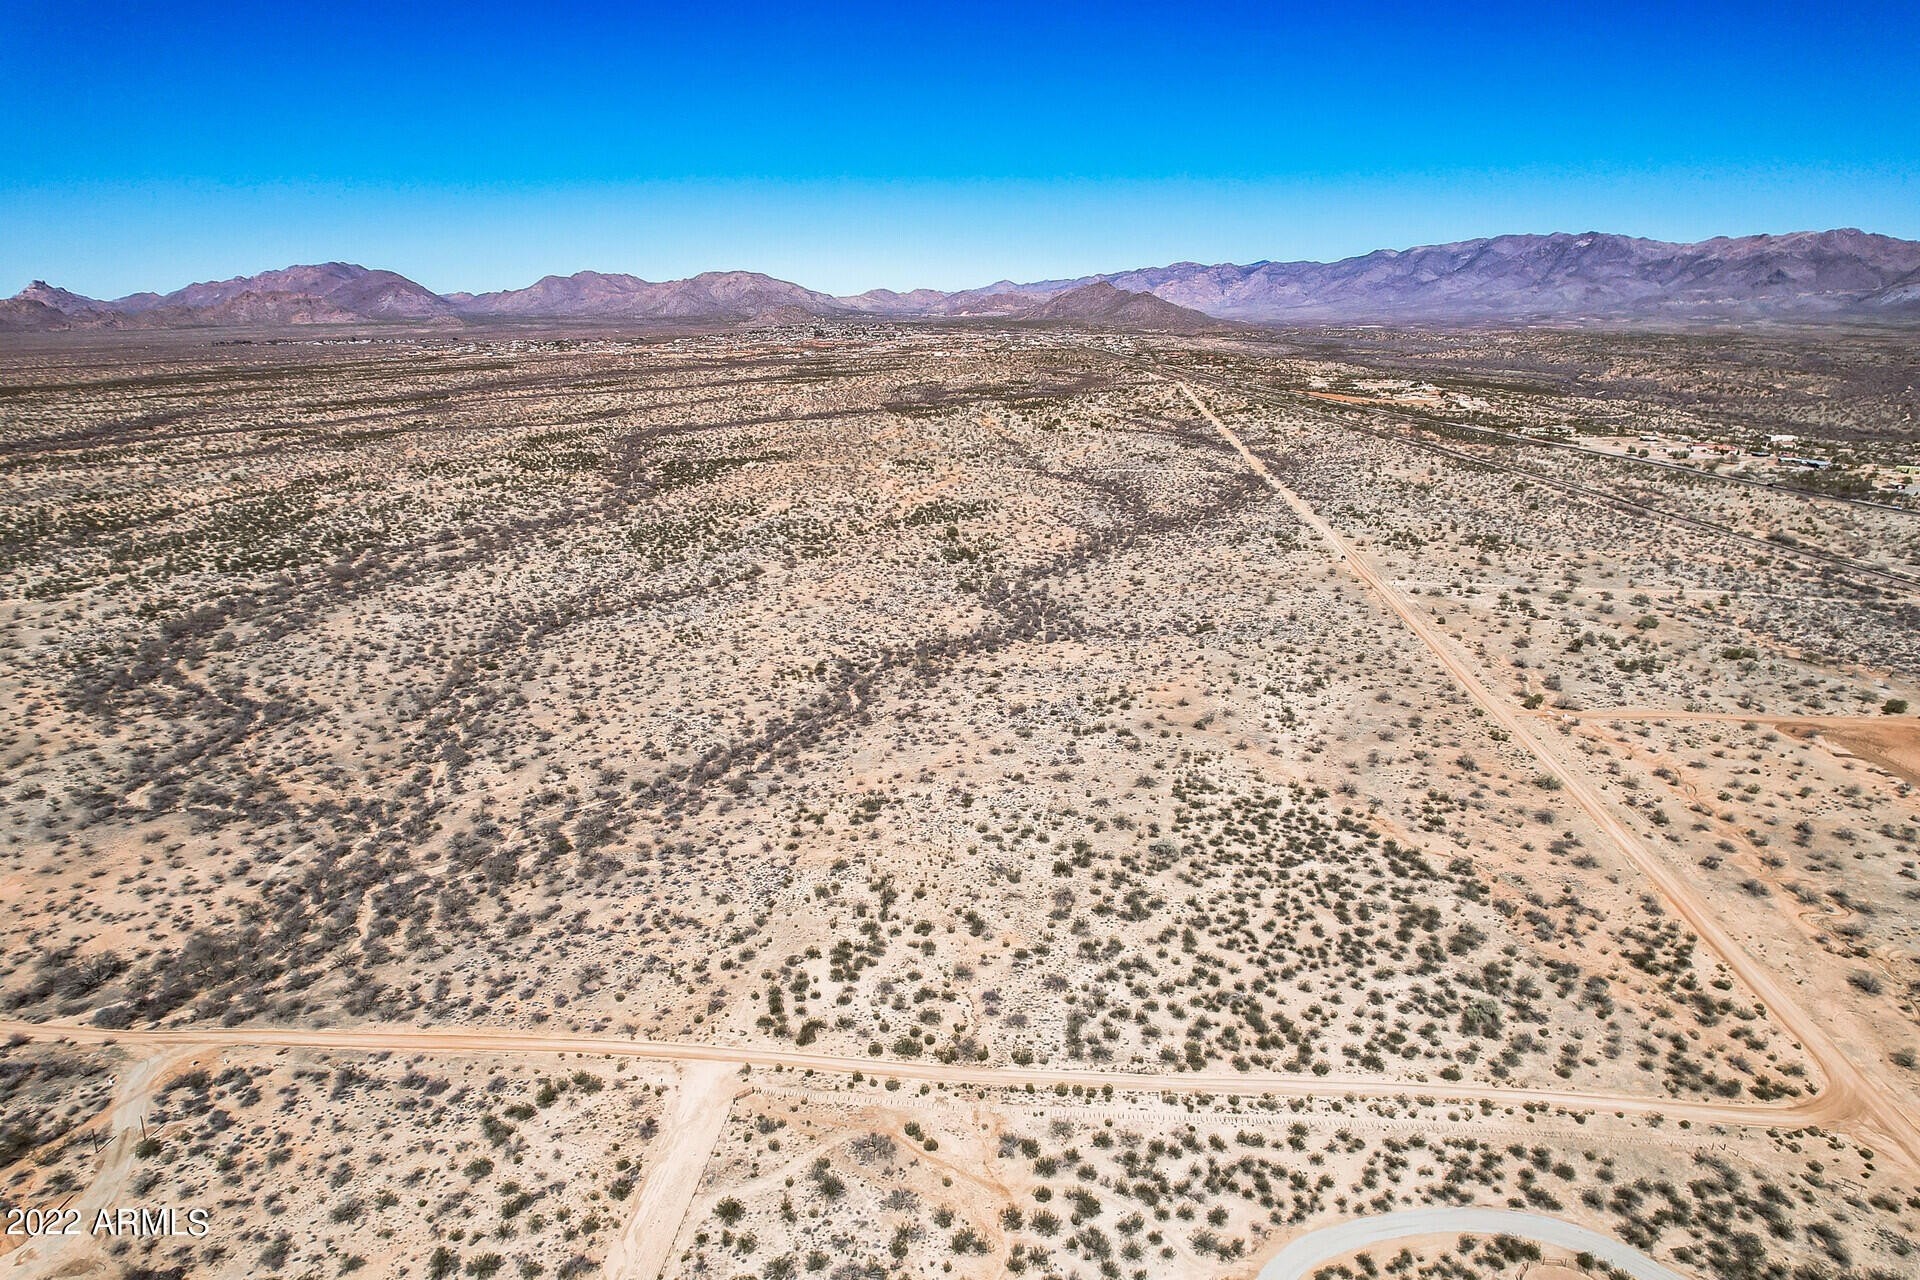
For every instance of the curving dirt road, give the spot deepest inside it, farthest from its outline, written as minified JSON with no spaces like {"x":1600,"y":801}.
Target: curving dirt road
{"x":1850,"y":1092}
{"x":1304,"y":1254}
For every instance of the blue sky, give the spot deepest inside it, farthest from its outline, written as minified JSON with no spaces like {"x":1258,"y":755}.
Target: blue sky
{"x":480,"y":146}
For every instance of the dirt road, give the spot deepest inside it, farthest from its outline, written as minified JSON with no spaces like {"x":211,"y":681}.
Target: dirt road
{"x":1724,"y":717}
{"x":132,"y":1097}
{"x":1852,"y":1096}
{"x":1801,"y":551}
{"x":700,"y":1106}
{"x":1850,"y":1092}
{"x":1821,"y":1109}
{"x":1306,"y":1254}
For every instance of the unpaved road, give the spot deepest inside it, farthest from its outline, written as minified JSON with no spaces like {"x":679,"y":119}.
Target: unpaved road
{"x":700,"y":1106}
{"x":1726,"y":717}
{"x":711,"y":1079}
{"x":1821,"y":1109}
{"x":1317,"y":1248}
{"x":1890,"y":743}
{"x":1799,"y":550}
{"x":1850,"y":1092}
{"x":709,"y":1072}
{"x":132,"y":1096}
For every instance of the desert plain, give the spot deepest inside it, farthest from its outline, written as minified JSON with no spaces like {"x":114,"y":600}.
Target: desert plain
{"x":960,"y":799}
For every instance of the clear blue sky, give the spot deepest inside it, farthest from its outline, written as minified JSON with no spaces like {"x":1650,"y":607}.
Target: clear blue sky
{"x":480,"y":146}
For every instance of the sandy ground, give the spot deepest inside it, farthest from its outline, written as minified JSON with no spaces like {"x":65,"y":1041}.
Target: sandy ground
{"x":1309,"y":1252}
{"x":133,"y":1098}
{"x":698,"y":1112}
{"x":1847,"y":1085}
{"x":904,"y":772}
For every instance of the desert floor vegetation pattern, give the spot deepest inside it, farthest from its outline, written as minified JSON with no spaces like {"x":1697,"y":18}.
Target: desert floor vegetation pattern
{"x":964,"y":799}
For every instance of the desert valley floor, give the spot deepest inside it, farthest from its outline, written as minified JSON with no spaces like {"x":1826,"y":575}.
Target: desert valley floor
{"x":954,"y":800}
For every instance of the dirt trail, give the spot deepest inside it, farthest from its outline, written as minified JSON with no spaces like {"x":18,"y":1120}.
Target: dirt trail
{"x":1822,"y":1109}
{"x":1727,"y":717}
{"x":709,"y":1079}
{"x":700,"y":1106}
{"x":132,"y":1096}
{"x":1306,"y":1254}
{"x":1849,"y":1093}
{"x":1888,"y":742}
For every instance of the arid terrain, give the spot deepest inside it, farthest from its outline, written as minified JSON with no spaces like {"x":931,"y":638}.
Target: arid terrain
{"x":971,"y":798}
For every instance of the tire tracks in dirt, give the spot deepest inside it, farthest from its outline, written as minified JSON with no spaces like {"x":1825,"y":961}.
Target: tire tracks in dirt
{"x":1850,"y":1095}
{"x":701,"y":1104}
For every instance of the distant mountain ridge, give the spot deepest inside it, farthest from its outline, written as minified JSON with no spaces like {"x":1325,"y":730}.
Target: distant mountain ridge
{"x":329,"y":293}
{"x":1804,"y":275}
{"x":711,"y":295}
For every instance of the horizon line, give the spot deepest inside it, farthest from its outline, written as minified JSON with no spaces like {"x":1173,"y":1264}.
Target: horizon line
{"x":1002,"y":279}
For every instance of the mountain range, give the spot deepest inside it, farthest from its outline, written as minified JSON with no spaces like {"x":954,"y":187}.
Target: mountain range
{"x":1805,"y":275}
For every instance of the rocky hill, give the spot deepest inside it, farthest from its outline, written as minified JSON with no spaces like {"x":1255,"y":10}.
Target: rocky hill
{"x":1103,"y":304}
{"x":713,"y":295}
